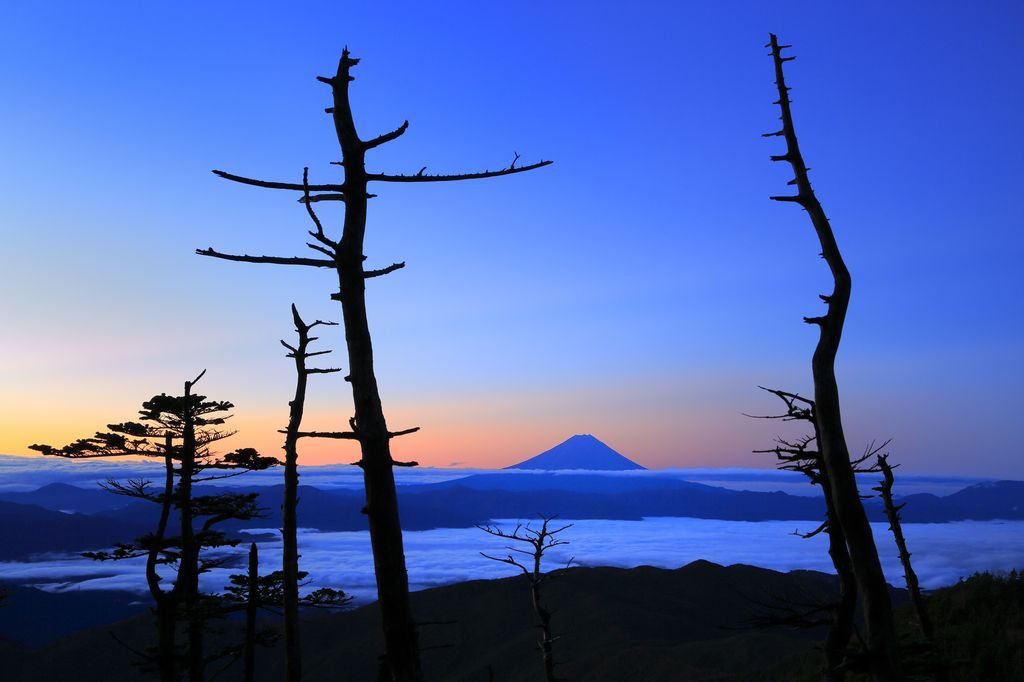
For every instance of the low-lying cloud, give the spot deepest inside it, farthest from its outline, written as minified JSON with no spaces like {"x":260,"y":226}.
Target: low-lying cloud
{"x":942,"y":553}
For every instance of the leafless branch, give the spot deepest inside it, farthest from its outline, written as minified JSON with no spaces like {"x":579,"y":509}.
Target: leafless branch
{"x":386,"y":137}
{"x":421,"y":177}
{"x":367,"y":274}
{"x":279,"y":185}
{"x":272,"y":260}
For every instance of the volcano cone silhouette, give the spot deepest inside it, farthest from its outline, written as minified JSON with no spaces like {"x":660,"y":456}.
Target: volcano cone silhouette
{"x":579,"y":452}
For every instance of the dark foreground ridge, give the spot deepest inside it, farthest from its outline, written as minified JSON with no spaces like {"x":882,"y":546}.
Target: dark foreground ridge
{"x":616,"y":624}
{"x":644,"y":623}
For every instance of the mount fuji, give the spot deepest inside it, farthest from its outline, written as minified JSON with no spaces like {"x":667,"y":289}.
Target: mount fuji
{"x":579,"y":452}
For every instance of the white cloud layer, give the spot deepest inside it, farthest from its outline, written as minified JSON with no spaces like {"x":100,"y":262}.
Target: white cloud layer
{"x":942,"y":553}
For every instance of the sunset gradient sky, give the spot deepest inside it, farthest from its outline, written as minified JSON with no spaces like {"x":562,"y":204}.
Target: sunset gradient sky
{"x":639,"y":289}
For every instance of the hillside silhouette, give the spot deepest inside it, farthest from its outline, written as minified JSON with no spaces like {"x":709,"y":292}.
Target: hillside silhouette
{"x":616,"y":624}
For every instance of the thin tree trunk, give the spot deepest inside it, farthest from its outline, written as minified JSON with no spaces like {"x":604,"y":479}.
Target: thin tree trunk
{"x":881,"y":631}
{"x":189,"y":573}
{"x":293,"y":652}
{"x":251,"y":606}
{"x":401,"y":658}
{"x":289,"y":511}
{"x":892,"y":512}
{"x":544,"y":623}
{"x":166,"y":613}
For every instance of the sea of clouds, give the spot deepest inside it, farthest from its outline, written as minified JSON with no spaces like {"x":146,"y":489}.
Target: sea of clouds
{"x":943,"y":553}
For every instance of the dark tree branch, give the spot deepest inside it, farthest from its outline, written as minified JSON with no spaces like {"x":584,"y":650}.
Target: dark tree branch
{"x":387,"y":137}
{"x":337,"y":435}
{"x":272,"y":260}
{"x":421,"y":177}
{"x":317,"y":234}
{"x":314,"y":198}
{"x":367,"y":274}
{"x":279,"y":185}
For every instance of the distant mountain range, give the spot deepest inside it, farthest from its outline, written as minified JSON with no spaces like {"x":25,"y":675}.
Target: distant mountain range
{"x":581,"y":478}
{"x":38,"y":522}
{"x":579,"y":452}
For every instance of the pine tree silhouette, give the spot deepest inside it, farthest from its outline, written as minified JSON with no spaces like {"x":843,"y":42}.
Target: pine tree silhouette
{"x":180,"y":430}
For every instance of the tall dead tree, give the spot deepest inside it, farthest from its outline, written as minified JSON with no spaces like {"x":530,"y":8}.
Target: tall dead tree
{"x":874,"y":594}
{"x":368,"y":426}
{"x":289,"y":531}
{"x":538,"y":542}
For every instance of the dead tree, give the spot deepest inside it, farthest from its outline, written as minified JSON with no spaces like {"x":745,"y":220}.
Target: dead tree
{"x":368,"y":426}
{"x":804,"y":456}
{"x":289,"y":531}
{"x":539,"y":542}
{"x":892,"y":513}
{"x":867,"y":568}
{"x":180,"y":430}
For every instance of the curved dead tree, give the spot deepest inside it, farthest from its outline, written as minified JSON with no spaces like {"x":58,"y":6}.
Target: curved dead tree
{"x":369,"y":428}
{"x":874,"y":594}
{"x":804,"y":456}
{"x":537,"y":542}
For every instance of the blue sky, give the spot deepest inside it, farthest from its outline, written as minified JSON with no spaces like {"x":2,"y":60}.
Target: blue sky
{"x":639,"y":289}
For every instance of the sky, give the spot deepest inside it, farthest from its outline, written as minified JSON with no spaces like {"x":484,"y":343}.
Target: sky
{"x":639,"y":289}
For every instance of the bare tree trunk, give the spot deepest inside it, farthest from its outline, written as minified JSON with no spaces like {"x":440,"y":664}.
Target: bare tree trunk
{"x":544,"y":623}
{"x":251,"y":606}
{"x":400,"y":640}
{"x":799,"y":456}
{"x":892,"y":512}
{"x":289,"y":531}
{"x":166,"y":613}
{"x":881,"y":631}
{"x":293,"y":652}
{"x":841,"y":629}
{"x":189,"y":573}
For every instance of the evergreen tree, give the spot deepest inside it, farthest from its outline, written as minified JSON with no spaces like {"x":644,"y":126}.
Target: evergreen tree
{"x":180,"y":430}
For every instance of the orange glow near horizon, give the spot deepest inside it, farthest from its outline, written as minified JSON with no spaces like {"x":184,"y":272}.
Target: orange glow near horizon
{"x":477,"y":433}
